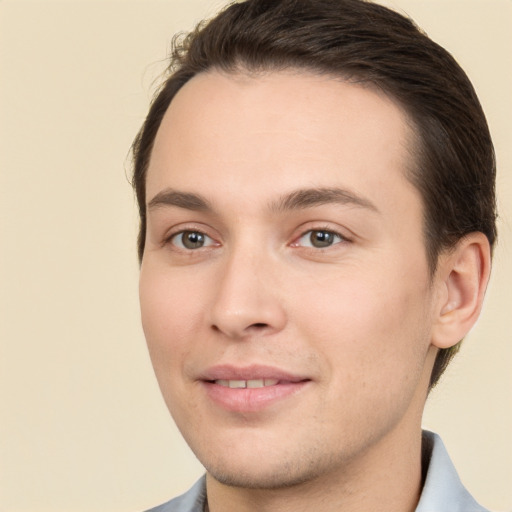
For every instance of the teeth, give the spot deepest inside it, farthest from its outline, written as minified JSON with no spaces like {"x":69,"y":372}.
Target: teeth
{"x":237,"y":384}
{"x":253,"y":383}
{"x":259,"y":383}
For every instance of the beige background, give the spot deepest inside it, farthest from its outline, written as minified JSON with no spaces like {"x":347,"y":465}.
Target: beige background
{"x":83,"y":427}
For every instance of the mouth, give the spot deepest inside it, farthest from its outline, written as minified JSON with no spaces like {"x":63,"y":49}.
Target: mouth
{"x":246,"y":384}
{"x":250,"y":389}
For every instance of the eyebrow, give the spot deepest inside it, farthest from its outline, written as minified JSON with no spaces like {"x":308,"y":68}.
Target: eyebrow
{"x":186,"y":200}
{"x":307,"y":198}
{"x":296,"y":200}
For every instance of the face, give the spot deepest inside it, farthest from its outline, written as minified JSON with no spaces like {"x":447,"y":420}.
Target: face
{"x":285,"y":293}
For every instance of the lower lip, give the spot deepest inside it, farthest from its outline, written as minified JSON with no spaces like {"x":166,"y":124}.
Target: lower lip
{"x":251,"y":399}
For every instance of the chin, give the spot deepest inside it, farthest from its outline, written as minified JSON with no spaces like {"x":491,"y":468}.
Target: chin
{"x":259,"y":470}
{"x":264,"y":480}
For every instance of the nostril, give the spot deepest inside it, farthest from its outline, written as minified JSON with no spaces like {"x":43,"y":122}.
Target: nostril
{"x":259,"y":325}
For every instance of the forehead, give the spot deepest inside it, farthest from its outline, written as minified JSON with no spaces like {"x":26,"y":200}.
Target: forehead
{"x":292,"y":129}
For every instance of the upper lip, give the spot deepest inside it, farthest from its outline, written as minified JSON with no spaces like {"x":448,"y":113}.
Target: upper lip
{"x":251,"y":372}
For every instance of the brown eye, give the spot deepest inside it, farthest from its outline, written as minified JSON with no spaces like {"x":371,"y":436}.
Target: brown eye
{"x":320,"y":238}
{"x":191,"y":240}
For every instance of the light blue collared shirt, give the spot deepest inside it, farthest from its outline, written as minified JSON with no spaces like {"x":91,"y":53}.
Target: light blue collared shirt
{"x":443,"y":491}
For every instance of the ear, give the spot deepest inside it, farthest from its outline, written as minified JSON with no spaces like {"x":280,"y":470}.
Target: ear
{"x":462,"y":276}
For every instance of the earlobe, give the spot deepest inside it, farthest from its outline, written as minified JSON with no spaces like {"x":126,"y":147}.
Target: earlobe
{"x":462,"y":274}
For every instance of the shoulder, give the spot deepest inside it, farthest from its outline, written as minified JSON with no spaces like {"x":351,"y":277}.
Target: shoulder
{"x":192,"y":501}
{"x":443,"y":491}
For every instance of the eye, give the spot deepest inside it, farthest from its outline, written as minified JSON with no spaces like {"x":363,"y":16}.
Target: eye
{"x":319,"y":238}
{"x":190,"y":240}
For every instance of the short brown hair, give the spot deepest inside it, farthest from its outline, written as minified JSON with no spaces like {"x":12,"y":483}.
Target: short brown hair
{"x":364,"y":42}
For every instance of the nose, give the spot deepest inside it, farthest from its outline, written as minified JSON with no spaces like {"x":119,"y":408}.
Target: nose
{"x":247,"y":301}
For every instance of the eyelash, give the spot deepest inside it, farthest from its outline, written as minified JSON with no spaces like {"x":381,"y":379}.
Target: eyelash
{"x":324,"y":230}
{"x":331,"y":236}
{"x":174,"y":236}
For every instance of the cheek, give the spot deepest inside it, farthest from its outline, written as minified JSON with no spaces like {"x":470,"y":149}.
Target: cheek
{"x":169,"y":312}
{"x":373,"y":343}
{"x":371,"y":328}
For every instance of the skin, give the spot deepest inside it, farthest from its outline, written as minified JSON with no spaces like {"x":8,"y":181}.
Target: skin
{"x":357,"y":321}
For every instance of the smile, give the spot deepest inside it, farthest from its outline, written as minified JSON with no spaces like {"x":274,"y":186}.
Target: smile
{"x":252,"y":388}
{"x":243,"y":384}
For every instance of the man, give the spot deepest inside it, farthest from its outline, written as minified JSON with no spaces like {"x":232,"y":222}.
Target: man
{"x":316,"y":190}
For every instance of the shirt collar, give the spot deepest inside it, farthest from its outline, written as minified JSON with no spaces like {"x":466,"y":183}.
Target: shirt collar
{"x":443,"y":491}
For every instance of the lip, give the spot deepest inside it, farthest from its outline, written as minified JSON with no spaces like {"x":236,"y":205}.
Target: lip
{"x":231,"y":372}
{"x":247,"y":399}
